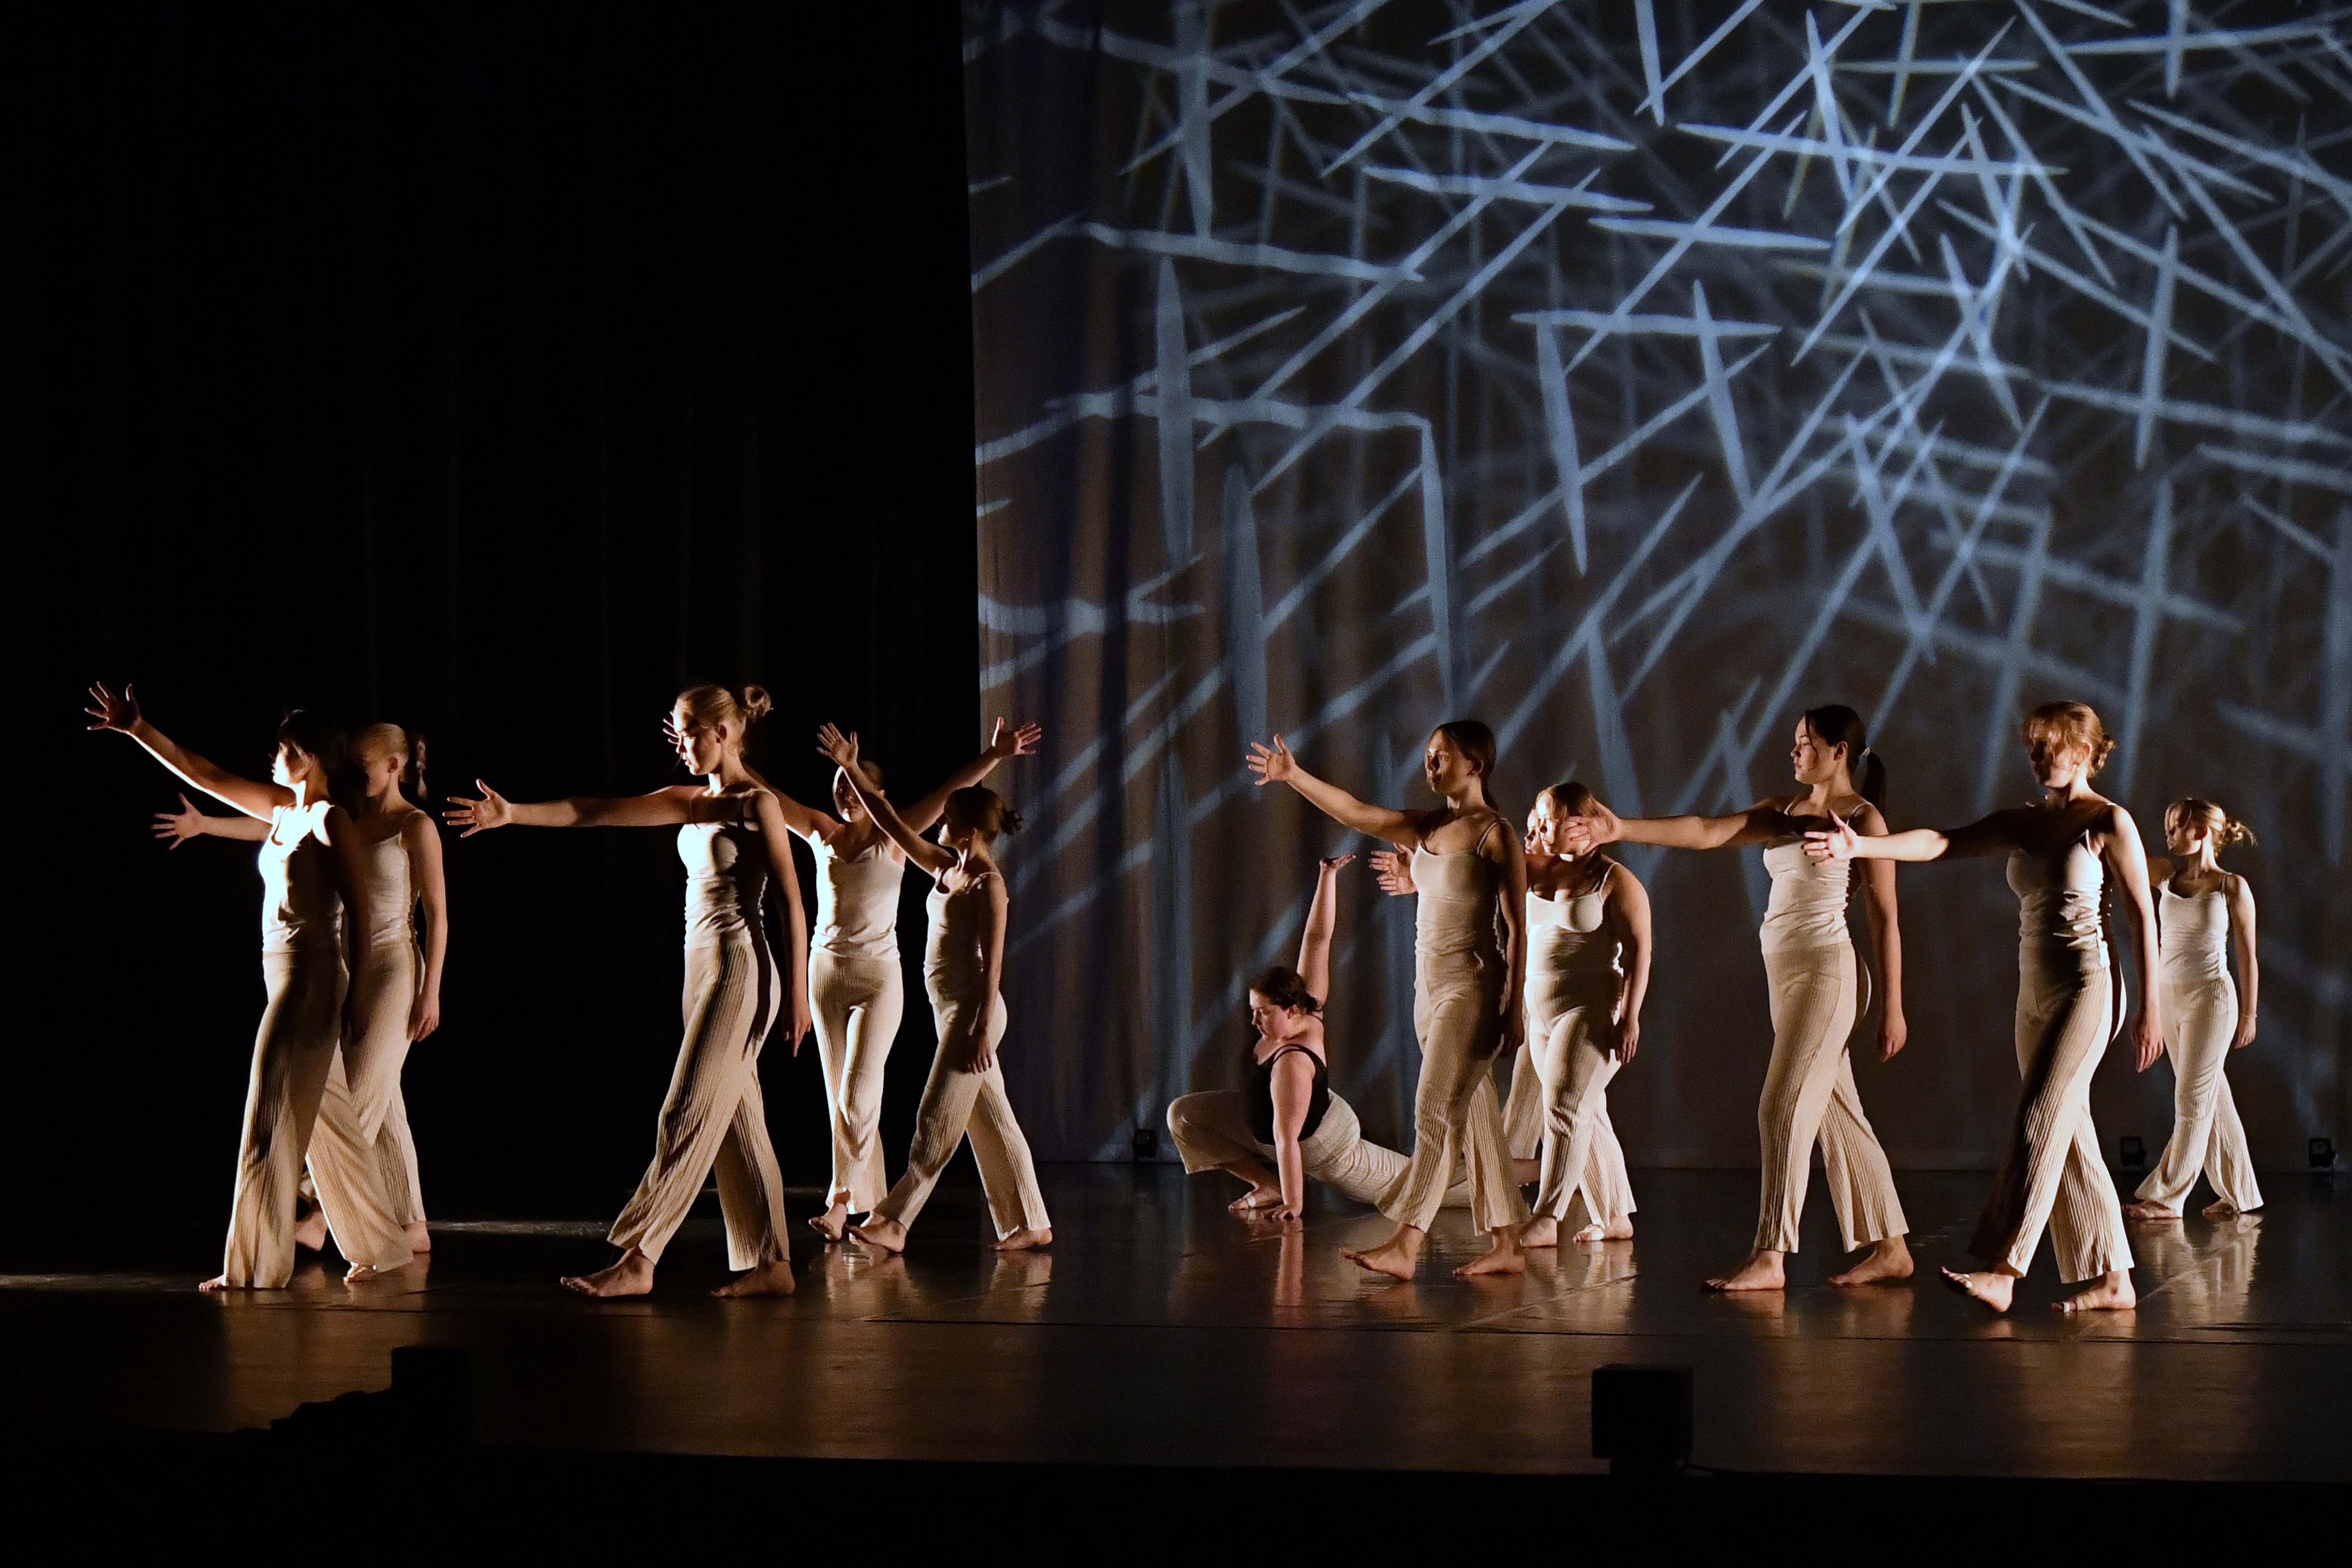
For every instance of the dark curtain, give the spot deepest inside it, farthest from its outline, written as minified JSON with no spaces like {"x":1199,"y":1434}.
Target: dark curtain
{"x":496,"y":371}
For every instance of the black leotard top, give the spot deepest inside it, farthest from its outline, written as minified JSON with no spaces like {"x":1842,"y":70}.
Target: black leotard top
{"x":1258,"y":1094}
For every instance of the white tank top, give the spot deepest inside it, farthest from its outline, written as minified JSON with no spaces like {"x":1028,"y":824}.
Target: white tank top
{"x":952,"y":970}
{"x":2196,"y":932}
{"x":1808,"y":899}
{"x":387,"y":893}
{"x":2058,"y":909}
{"x":300,"y":909}
{"x":726,"y":868}
{"x":1563,"y":944}
{"x":857,"y":900}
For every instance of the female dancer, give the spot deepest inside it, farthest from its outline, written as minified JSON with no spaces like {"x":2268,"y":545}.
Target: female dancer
{"x":1286,"y":1124}
{"x":311,"y":875}
{"x":731,"y":836}
{"x":2051,"y":1173}
{"x":1465,"y":986}
{"x":854,"y":976}
{"x":2199,"y":904}
{"x":963,"y":965}
{"x":400,"y":862}
{"x":1808,"y":1091}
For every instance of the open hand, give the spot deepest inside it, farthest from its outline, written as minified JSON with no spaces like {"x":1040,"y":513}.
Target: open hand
{"x":1333,"y":862}
{"x":1584,"y":834}
{"x":1007,"y":742}
{"x":1835,"y":842}
{"x":478,"y":815}
{"x":1271,"y":765}
{"x":838,"y":748}
{"x":111,"y":709}
{"x":179,"y":826}
{"x":1394,"y":869}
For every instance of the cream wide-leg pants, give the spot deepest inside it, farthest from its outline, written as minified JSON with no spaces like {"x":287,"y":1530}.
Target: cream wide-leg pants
{"x":1809,"y":1097}
{"x":1212,"y":1131}
{"x":2051,"y":1175}
{"x":956,"y":1105}
{"x":713,"y":1118}
{"x":293,"y":1054}
{"x":859,"y":1003}
{"x":348,"y":1146}
{"x":1581,"y":1157}
{"x":1457,"y":1114}
{"x":1523,"y":1106}
{"x":2206,"y":1131}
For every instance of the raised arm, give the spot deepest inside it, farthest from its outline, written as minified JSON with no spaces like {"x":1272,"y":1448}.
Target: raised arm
{"x":1991,"y":836}
{"x":665,"y":808}
{"x":1885,"y":938}
{"x":1765,"y":819}
{"x":421,"y":843}
{"x":1275,"y":765}
{"x":1628,"y":904}
{"x":2119,"y":847}
{"x":118,"y":711}
{"x":770,"y":810}
{"x":1004,"y":742}
{"x":842,"y":750}
{"x":176,"y":827}
{"x":2250,"y":970}
{"x":1322,"y":917}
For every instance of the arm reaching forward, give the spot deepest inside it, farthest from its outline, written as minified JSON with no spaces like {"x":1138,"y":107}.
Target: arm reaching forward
{"x":1275,"y":765}
{"x":842,"y":751}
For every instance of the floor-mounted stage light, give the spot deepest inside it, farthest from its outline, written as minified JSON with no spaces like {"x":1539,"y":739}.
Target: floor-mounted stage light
{"x":2323,"y":1153}
{"x":1641,"y":1418}
{"x":2134,"y":1154}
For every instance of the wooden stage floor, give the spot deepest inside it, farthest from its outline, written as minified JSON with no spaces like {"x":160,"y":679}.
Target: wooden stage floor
{"x":1159,"y":1330}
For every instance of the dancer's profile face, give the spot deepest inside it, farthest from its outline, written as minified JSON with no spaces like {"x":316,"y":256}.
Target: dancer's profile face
{"x":698,"y":749}
{"x":1811,"y":759}
{"x":290,"y":765}
{"x":2185,"y":835}
{"x":1445,"y":767}
{"x":1275,"y":1023}
{"x":2057,"y":763}
{"x":380,"y":765}
{"x":1543,"y":825}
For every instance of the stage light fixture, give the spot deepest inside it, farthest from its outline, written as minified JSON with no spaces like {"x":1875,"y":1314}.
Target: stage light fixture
{"x":1147,"y":1144}
{"x":2323,"y":1153}
{"x":1641,"y":1418}
{"x":2134,"y":1154}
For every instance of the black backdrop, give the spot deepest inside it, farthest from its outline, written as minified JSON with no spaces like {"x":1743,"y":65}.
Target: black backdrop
{"x":496,"y":371}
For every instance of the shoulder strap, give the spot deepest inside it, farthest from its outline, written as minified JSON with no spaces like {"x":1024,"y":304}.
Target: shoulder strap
{"x":1481,"y":844}
{"x":1282,"y":1051}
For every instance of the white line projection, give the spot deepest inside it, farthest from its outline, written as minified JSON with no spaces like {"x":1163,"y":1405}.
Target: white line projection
{"x":1632,"y":377}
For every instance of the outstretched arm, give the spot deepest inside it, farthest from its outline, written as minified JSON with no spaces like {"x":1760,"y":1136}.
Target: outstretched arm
{"x":2250,"y":970}
{"x":1275,"y":765}
{"x":1988,"y":837}
{"x":2119,"y":845}
{"x":1004,"y":744}
{"x":110,"y":709}
{"x":1322,"y":917}
{"x":1765,"y":819}
{"x":422,"y":841}
{"x":919,"y":851}
{"x":779,"y":860}
{"x":1885,"y":939}
{"x":665,"y":808}
{"x":176,"y":827}
{"x":1629,"y":905}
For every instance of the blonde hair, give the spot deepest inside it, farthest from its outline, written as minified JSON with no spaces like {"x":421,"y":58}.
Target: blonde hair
{"x":1570,"y":799}
{"x":705,"y":706}
{"x":2226,"y":829}
{"x":2071,"y":724}
{"x":408,"y":748}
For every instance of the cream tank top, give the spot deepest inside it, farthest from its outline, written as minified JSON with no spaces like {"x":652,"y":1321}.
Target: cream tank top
{"x":857,"y":902}
{"x":1808,"y":899}
{"x":2058,"y":927}
{"x":2196,"y":932}
{"x":951,"y":967}
{"x":387,"y":894}
{"x":300,"y":911}
{"x":1571,"y":961}
{"x":726,"y":871}
{"x":1453,"y":917}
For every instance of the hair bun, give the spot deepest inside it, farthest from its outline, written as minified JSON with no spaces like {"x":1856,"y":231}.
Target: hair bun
{"x":1013,"y":821}
{"x":756,"y":703}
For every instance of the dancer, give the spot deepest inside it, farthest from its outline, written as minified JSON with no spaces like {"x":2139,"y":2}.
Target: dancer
{"x":1287,"y":1124}
{"x":1466,"y":986}
{"x":731,"y":836}
{"x":2051,"y":1173}
{"x":853,"y":977}
{"x":311,"y":875}
{"x":2199,"y":904}
{"x":400,"y":864}
{"x":963,"y":966}
{"x":1809,"y":1090}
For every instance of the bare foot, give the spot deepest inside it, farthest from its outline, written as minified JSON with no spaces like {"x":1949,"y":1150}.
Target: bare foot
{"x":1541,"y":1231}
{"x":1396,"y":1258}
{"x":311,"y":1231}
{"x":1989,"y":1286}
{"x":215,"y":1285}
{"x":1762,"y":1271}
{"x":834,"y":1223}
{"x":881,"y":1235}
{"x":360,"y":1272}
{"x":1595,"y":1234}
{"x":2112,"y":1293}
{"x":2152,"y":1214}
{"x":1503,"y":1257}
{"x":632,"y":1276}
{"x":2221,"y":1208}
{"x":768,"y":1279}
{"x":420,"y":1238}
{"x":1887,"y":1259}
{"x":1028,"y":1239}
{"x":1257,"y":1198}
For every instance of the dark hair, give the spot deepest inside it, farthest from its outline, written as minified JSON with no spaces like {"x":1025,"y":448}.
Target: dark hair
{"x":411,"y":749}
{"x":1285,"y":988}
{"x":321,"y":739}
{"x":980,"y":808}
{"x":1835,"y":724}
{"x":1475,"y":740}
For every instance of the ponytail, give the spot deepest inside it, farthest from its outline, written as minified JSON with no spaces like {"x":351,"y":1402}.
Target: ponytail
{"x":2226,"y":830}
